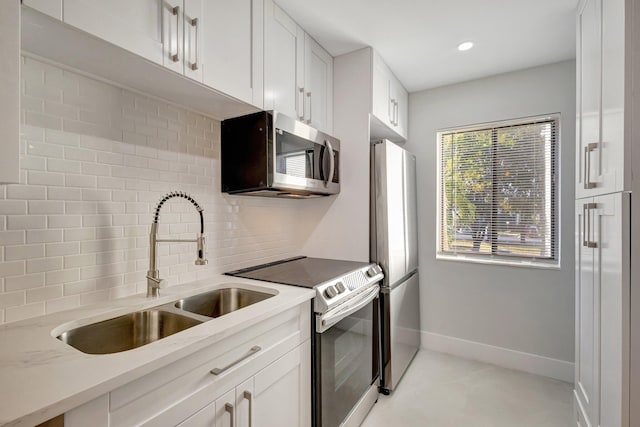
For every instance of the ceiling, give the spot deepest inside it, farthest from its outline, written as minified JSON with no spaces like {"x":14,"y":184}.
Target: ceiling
{"x":418,"y":38}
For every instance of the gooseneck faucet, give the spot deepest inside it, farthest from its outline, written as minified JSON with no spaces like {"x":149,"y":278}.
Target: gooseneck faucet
{"x":154,"y":282}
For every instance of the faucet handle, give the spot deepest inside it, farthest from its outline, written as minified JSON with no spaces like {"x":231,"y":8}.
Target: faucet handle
{"x":157,"y":283}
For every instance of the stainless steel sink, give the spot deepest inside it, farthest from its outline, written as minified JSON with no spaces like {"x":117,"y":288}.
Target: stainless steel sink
{"x":221,"y":301}
{"x":126,"y":332}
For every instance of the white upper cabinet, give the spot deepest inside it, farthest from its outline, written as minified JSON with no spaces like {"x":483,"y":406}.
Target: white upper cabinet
{"x":233,"y":48}
{"x":283,"y":62}
{"x":389,"y":99}
{"x":298,"y":72}
{"x":318,"y":96}
{"x":10,"y":93}
{"x":600,"y":154}
{"x":135,"y":26}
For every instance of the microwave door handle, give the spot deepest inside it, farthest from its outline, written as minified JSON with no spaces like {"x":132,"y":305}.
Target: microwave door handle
{"x":332,"y":165}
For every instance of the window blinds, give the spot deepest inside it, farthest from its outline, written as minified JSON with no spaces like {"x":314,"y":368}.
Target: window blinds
{"x":498,"y":190}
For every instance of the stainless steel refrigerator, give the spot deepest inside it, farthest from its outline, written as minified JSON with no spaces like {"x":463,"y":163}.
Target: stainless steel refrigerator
{"x":394,"y":246}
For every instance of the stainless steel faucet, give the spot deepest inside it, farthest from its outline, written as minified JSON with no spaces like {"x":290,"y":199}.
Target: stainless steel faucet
{"x":154,"y":282}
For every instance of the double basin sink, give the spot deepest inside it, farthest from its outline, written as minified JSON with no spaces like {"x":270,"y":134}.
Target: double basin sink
{"x":139,"y":328}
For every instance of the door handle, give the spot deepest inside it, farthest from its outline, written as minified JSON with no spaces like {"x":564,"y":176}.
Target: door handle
{"x":329,"y":177}
{"x":194,"y":24}
{"x":586,"y":225}
{"x":176,"y":12}
{"x":301,"y":103}
{"x":587,"y":165}
{"x":310,"y":111}
{"x":228,"y":407}
{"x":247,"y":395}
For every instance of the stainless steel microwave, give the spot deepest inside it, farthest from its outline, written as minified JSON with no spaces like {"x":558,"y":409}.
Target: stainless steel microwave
{"x":270,"y":154}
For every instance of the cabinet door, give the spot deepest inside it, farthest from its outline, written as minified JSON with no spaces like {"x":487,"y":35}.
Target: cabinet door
{"x":283,"y":390}
{"x":381,"y":106}
{"x":318,"y":86}
{"x":134,"y":26}
{"x":193,"y":24}
{"x":226,"y":410}
{"x":589,"y":60}
{"x":232,"y":51}
{"x":587,"y":313}
{"x":10,"y":93}
{"x":611,"y":229}
{"x":611,"y":171}
{"x":402,"y":110}
{"x":283,"y":63}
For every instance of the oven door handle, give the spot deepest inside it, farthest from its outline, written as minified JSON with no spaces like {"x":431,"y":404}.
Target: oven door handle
{"x":325,"y":321}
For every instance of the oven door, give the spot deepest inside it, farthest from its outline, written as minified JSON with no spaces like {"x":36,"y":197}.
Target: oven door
{"x":345,"y":364}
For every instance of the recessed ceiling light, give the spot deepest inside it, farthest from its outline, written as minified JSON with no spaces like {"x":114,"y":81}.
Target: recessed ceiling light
{"x":465,"y":46}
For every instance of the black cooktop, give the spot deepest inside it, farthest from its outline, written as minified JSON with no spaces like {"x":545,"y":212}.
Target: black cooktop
{"x":299,"y":271}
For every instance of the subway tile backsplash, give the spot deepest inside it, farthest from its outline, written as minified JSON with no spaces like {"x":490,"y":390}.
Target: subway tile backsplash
{"x":95,"y":159}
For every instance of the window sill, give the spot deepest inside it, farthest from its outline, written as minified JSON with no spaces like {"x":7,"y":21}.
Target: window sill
{"x":519,"y":263}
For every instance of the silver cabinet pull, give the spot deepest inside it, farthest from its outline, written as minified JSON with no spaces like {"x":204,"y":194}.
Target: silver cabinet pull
{"x":253,"y":350}
{"x":586,"y":225}
{"x":247,"y":395}
{"x":392,"y":110}
{"x":228,"y":407}
{"x":309,"y":98}
{"x":176,"y":12}
{"x":194,"y":24}
{"x":587,"y":165}
{"x":395,"y":112}
{"x":301,"y":103}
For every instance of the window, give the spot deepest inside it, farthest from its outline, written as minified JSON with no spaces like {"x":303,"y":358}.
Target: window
{"x":498,"y":191}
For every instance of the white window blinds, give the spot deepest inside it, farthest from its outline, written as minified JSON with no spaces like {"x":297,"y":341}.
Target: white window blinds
{"x":498,"y":195}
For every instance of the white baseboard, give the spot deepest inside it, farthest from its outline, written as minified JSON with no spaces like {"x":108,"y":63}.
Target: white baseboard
{"x":512,"y":359}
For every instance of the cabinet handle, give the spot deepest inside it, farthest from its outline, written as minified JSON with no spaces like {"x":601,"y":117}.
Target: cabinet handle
{"x":310,"y":110}
{"x":301,"y":103}
{"x":194,"y":24}
{"x":252,"y":351}
{"x":176,"y":12}
{"x":395,"y":112}
{"x":228,"y":407}
{"x":247,"y":395}
{"x":392,"y":110}
{"x":587,"y":165}
{"x":586,"y":225}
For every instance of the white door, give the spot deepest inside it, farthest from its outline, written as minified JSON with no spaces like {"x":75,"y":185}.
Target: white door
{"x":283,"y":63}
{"x":587,"y":374}
{"x":381,"y":97}
{"x":283,"y":390}
{"x":611,"y":231}
{"x":231,"y":50}
{"x":132,"y":25}
{"x":589,"y":97}
{"x":319,"y":86}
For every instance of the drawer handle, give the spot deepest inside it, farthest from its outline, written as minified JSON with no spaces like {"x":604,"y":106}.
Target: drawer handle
{"x":176,"y":12}
{"x":251,"y":352}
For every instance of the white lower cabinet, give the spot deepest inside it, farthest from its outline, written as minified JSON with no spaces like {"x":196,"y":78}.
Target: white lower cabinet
{"x":602,"y":312}
{"x":258,"y":377}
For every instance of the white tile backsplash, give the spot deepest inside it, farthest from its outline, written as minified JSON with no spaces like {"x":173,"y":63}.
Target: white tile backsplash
{"x":95,"y":160}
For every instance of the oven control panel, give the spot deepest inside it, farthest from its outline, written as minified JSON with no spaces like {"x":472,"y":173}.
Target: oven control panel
{"x":339,"y":290}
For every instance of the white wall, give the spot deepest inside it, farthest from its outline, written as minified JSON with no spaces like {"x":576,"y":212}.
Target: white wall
{"x":95,"y":159}
{"x":523,"y":309}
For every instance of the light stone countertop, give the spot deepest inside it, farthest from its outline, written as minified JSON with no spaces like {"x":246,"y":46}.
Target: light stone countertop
{"x":42,"y":377}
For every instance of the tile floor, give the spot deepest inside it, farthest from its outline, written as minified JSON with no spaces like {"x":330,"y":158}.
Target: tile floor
{"x":439,"y":390}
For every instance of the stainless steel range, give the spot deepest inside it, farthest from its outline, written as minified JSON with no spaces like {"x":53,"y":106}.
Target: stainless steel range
{"x":345,"y":345}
